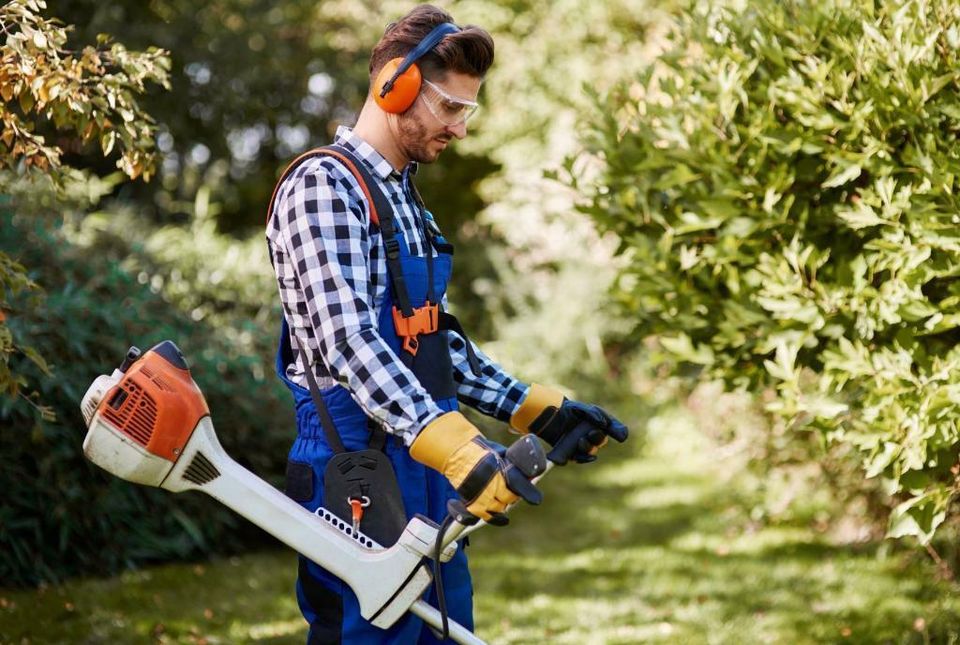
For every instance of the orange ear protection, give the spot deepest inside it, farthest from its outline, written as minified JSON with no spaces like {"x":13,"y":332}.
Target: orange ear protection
{"x":398,"y":83}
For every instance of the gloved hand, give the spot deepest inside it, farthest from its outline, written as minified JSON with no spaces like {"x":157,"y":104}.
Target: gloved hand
{"x":575,"y":430}
{"x":475,"y":467}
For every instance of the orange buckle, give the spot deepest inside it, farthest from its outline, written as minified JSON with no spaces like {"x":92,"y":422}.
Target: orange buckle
{"x":423,"y":321}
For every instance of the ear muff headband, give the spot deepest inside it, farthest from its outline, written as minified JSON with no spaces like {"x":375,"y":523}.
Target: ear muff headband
{"x":398,"y":83}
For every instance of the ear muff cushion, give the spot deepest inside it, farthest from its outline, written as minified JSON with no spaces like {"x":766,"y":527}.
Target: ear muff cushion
{"x":404,"y":91}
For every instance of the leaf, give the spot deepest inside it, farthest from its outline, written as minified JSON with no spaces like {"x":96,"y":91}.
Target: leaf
{"x":107,"y":140}
{"x":682,"y":348}
{"x":822,"y":407}
{"x":860,"y":217}
{"x":878,"y":463}
{"x":842,"y":176}
{"x":723,"y":209}
{"x":692,"y":223}
{"x":677,"y":176}
{"x":37,"y":359}
{"x":783,"y":367}
{"x":919,"y":516}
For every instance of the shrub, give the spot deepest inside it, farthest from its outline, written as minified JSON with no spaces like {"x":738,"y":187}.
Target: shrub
{"x":783,"y":183}
{"x":62,"y":515}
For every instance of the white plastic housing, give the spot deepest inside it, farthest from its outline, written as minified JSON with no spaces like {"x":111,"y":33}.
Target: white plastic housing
{"x":375,"y":574}
{"x":95,"y":393}
{"x":387,"y":582}
{"x":119,"y":455}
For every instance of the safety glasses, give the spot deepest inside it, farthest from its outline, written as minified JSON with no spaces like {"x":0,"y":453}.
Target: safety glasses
{"x":449,"y":110}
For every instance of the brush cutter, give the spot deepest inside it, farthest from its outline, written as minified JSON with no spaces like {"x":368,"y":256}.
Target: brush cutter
{"x":148,"y":423}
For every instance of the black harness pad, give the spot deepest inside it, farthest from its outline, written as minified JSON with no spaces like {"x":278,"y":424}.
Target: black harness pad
{"x":366,"y":474}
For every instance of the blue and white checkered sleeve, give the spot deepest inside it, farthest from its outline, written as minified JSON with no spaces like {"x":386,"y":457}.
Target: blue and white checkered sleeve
{"x":494,"y":393}
{"x":328,"y":242}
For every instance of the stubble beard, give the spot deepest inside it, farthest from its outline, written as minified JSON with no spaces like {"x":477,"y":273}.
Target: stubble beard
{"x":414,"y":139}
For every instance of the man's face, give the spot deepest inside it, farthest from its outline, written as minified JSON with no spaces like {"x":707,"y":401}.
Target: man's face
{"x":420,"y":134}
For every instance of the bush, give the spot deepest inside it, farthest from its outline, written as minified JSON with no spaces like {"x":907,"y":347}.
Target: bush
{"x":62,"y":515}
{"x":783,"y":183}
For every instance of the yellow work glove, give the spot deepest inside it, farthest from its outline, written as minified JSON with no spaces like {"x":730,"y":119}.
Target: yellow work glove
{"x":575,"y":430}
{"x":453,"y":446}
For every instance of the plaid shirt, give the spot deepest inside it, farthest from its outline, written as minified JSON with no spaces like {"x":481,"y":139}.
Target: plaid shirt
{"x":332,"y":272}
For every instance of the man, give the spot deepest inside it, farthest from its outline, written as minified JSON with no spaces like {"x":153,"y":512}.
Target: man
{"x":362,"y":270}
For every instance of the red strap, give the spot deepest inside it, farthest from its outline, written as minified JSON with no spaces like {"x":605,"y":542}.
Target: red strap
{"x":374,"y":218}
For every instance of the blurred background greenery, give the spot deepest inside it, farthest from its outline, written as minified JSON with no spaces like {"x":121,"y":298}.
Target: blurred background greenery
{"x":586,"y":257}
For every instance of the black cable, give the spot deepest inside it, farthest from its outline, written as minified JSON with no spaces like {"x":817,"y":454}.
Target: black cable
{"x":438,"y":579}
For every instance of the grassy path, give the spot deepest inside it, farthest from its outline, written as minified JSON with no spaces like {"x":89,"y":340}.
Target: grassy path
{"x":643,"y":547}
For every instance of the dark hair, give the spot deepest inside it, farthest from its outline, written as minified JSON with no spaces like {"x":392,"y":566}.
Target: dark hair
{"x":469,"y":51}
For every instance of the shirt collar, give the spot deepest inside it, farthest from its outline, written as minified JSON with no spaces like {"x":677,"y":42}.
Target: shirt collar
{"x":378,"y":163}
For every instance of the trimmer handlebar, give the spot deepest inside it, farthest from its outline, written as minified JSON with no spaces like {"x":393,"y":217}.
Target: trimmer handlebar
{"x":526,"y":462}
{"x":465,"y":523}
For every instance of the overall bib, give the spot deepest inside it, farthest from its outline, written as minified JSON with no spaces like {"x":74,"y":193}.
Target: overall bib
{"x":329,"y":605}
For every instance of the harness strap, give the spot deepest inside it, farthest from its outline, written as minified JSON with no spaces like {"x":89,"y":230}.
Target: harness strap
{"x":381,"y":212}
{"x":450,"y":322}
{"x":377,"y":203}
{"x":388,"y":229}
{"x":347,"y":159}
{"x":378,"y":438}
{"x":326,"y":421}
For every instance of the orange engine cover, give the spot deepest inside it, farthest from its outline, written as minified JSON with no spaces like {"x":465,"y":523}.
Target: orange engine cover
{"x":156,"y":403}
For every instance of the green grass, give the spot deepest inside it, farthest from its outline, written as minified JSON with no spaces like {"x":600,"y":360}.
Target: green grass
{"x":640,"y":547}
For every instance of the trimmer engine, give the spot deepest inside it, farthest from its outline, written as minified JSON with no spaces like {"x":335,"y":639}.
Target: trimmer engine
{"x":141,"y":417}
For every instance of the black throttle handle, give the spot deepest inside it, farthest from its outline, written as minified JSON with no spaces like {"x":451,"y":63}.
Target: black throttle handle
{"x":526,"y":460}
{"x":527,"y":454}
{"x":458,"y":511}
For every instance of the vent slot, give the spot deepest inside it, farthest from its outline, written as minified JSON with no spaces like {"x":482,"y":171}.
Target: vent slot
{"x":156,"y":378}
{"x":200,"y":471}
{"x":133,"y":411}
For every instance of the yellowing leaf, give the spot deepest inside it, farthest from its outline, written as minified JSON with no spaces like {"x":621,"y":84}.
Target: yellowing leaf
{"x":107,"y":140}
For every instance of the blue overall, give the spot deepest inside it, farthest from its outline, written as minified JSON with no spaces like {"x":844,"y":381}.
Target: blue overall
{"x":329,"y":605}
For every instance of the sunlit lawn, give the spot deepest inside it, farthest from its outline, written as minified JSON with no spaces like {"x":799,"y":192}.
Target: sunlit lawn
{"x":641,"y":547}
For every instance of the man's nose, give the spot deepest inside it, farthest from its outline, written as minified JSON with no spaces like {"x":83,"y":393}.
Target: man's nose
{"x":459,"y":130}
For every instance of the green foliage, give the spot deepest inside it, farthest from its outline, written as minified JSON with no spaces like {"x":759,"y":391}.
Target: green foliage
{"x":546,"y":287}
{"x":63,"y":516}
{"x":74,"y":98}
{"x":783,"y":184}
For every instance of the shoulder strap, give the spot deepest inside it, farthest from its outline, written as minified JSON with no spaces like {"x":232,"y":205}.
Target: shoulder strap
{"x":377,"y":204}
{"x":347,"y":159}
{"x":323,"y":413}
{"x":381,"y":214}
